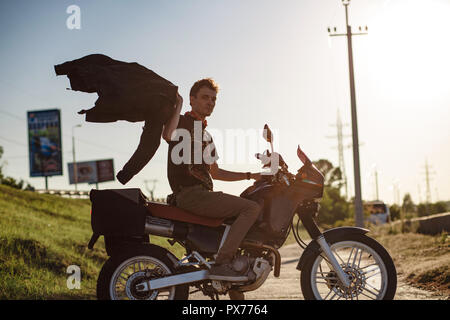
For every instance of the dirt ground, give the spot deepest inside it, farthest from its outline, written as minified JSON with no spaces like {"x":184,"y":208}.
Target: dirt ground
{"x":421,"y":260}
{"x":287,"y":286}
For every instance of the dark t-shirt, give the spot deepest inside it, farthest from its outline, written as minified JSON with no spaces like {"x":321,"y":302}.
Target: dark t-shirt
{"x":190,"y":155}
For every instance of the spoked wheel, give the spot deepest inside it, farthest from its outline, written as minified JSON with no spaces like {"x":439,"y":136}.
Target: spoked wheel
{"x":368,"y":264}
{"x":122,"y":276}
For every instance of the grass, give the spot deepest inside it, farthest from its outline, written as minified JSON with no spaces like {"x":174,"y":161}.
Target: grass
{"x":40,"y":237}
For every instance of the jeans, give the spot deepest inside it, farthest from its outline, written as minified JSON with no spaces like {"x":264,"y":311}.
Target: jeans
{"x":216,"y":204}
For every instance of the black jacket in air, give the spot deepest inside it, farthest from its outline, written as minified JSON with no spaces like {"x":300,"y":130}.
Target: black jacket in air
{"x":126,"y":91}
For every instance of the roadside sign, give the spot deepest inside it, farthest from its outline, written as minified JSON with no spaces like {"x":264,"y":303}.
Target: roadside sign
{"x":92,"y":171}
{"x":44,"y":143}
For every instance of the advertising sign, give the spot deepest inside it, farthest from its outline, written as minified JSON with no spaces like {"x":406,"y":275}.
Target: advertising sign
{"x":105,"y":170}
{"x":92,"y":171}
{"x":44,"y":142}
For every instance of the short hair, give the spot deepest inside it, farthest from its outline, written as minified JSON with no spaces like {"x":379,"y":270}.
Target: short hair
{"x":207,"y":82}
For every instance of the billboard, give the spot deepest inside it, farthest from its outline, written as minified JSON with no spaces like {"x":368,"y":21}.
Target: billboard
{"x":44,"y":143}
{"x":92,"y":171}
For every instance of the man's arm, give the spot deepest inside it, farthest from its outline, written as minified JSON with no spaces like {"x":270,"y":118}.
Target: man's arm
{"x":172,"y":124}
{"x":148,"y":144}
{"x":225,"y":175}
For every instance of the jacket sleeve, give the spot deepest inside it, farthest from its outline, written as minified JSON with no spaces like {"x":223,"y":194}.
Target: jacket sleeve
{"x":148,"y":144}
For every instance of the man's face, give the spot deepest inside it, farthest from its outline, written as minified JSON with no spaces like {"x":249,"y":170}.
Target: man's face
{"x":203,"y":104}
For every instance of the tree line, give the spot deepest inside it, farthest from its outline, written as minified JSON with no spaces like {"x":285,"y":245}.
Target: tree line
{"x":335,"y":210}
{"x":10,"y":181}
{"x":411,"y":210}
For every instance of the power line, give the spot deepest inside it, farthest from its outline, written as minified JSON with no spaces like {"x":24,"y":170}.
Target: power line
{"x":100,"y":146}
{"x":420,"y":193}
{"x":26,"y":156}
{"x":339,"y":125}
{"x":26,"y":92}
{"x":428,"y":179}
{"x":13,"y":141}
{"x":64,"y":134}
{"x":12,"y":115}
{"x":32,"y":95}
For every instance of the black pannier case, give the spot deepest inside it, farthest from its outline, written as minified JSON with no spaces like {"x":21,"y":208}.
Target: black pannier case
{"x":118,"y":212}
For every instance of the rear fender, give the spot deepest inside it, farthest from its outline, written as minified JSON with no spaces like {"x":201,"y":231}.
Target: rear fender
{"x":116,"y":245}
{"x":313,"y":247}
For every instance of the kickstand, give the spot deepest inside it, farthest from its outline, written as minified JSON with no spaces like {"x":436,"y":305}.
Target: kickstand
{"x":214,"y":296}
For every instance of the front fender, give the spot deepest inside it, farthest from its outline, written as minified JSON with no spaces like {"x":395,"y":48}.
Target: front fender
{"x":313,"y":247}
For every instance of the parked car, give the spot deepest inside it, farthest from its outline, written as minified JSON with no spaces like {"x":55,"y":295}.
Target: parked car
{"x":377,"y":212}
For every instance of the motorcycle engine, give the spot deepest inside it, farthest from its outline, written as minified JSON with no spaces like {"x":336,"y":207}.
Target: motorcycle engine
{"x":241,"y":264}
{"x":258,"y":274}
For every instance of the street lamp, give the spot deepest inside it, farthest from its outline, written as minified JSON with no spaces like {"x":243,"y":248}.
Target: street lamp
{"x":75,"y":171}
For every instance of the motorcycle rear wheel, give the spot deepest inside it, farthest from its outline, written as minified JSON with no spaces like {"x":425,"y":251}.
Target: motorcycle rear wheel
{"x":121,"y":274}
{"x":372,"y":271}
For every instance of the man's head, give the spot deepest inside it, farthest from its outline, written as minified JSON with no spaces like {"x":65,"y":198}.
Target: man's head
{"x":203,"y":97}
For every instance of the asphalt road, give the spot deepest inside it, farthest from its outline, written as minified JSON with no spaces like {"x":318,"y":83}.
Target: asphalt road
{"x":287,"y":286}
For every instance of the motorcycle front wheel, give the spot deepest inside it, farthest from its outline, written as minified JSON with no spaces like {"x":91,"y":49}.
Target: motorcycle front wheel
{"x":370,"y":268}
{"x":121,"y":275}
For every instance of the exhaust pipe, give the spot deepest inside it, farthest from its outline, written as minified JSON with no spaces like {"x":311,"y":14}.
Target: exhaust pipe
{"x":165,"y":228}
{"x":159,"y":227}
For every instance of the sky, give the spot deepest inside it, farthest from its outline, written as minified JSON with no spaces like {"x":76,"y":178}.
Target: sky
{"x":275,"y":63}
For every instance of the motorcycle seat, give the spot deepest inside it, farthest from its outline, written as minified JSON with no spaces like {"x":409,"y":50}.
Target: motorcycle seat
{"x":165,"y":211}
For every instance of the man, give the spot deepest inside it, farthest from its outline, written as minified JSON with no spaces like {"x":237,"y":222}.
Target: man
{"x":192,"y":182}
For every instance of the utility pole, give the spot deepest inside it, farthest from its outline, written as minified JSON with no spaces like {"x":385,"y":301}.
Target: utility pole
{"x":151,"y":191}
{"x":359,"y":217}
{"x":428,"y":172}
{"x":340,"y":147}
{"x":420,"y":193}
{"x":375,"y":180}
{"x":75,"y":169}
{"x":427,"y":179}
{"x":376,"y":184}
{"x":396,"y":190}
{"x":428,"y":187}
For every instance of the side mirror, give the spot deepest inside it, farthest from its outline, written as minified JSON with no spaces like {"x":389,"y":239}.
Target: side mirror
{"x":303,"y":157}
{"x":267,"y":134}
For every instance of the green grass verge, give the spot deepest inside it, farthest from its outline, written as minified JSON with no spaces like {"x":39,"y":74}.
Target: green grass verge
{"x":40,"y":237}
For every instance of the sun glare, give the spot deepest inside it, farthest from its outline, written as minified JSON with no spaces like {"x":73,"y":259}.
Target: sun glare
{"x":408,"y":49}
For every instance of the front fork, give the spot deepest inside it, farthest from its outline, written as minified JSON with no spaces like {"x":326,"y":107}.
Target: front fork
{"x":315,"y":233}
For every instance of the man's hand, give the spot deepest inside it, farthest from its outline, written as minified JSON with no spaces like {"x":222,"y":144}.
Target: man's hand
{"x":123,"y":177}
{"x":172,"y":124}
{"x":255,"y":176}
{"x":179,"y":102}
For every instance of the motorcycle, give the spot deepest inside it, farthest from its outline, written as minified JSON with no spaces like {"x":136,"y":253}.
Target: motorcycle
{"x":339,"y":263}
